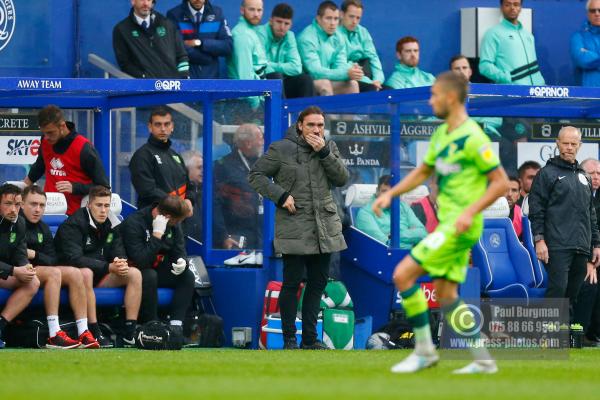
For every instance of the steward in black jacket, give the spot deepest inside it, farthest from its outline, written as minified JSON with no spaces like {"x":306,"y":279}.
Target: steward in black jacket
{"x":155,"y":52}
{"x":13,"y":250}
{"x":39,"y":239}
{"x":561,"y":208}
{"x":84,"y":243}
{"x":156,"y":250}
{"x":157,"y":171}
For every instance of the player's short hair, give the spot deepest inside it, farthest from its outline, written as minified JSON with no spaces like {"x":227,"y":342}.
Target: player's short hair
{"x":282,"y":10}
{"x":456,"y":58}
{"x":173,"y":206}
{"x":51,"y":114}
{"x":161,"y":111}
{"x":406,"y":39}
{"x":307,"y":111}
{"x":347,"y":3}
{"x":244,"y":133}
{"x":99,"y":191}
{"x":455,"y":83}
{"x":528,"y":165}
{"x":514,"y":179}
{"x":8,"y":189}
{"x":33,"y":189}
{"x":502,"y":2}
{"x":326,"y":5}
{"x":384,"y":180}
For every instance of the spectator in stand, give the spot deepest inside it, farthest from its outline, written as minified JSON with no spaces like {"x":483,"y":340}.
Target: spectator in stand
{"x":89,"y":239}
{"x":283,"y":59}
{"x":155,"y":243}
{"x":512,"y":195}
{"x":508,"y":51}
{"x":563,"y":219}
{"x":490,"y":125}
{"x":587,"y":308}
{"x":248,"y":60}
{"x":379,"y":227}
{"x":67,"y":159}
{"x":407,"y":73}
{"x":157,"y":169}
{"x":41,"y":253}
{"x":147,"y":44}
{"x":194,"y":162}
{"x":527,"y":172}
{"x":585,"y":46}
{"x":324,"y":56}
{"x":426,"y":208}
{"x":16,"y":273}
{"x":360,"y":47}
{"x":206,"y":36}
{"x":238,"y":209}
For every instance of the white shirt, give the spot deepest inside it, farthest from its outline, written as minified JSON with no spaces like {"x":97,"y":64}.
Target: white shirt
{"x":140,"y":20}
{"x":194,"y":11}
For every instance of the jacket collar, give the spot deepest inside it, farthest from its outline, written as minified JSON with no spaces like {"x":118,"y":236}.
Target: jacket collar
{"x":342,"y":29}
{"x":560,"y":163}
{"x":320,"y":32}
{"x":587,"y":27}
{"x":405,"y":69}
{"x":157,"y":143}
{"x":507,"y":24}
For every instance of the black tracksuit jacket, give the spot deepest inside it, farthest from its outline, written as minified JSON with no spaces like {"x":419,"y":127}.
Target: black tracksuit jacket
{"x":13,"y":250}
{"x":82,"y":242}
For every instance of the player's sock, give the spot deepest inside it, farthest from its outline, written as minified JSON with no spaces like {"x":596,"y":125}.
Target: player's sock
{"x":3,"y":323}
{"x":417,"y":313}
{"x":53,"y":325}
{"x":130,"y":326}
{"x":477,"y":349}
{"x":82,"y":326}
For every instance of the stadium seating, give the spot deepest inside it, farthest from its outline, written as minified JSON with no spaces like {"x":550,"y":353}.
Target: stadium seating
{"x":539,"y":271}
{"x":357,"y":196}
{"x":415,"y":195}
{"x":504,"y":264}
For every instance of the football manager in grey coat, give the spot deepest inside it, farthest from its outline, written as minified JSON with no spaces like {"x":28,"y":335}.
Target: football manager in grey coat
{"x":304,"y":167}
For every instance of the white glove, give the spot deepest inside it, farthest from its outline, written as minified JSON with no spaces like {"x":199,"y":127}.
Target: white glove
{"x":178,"y":267}
{"x":159,"y":224}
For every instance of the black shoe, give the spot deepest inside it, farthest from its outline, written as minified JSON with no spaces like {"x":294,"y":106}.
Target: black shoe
{"x":103,"y":341}
{"x":290,"y":343}
{"x":590,"y":342}
{"x":318,"y":345}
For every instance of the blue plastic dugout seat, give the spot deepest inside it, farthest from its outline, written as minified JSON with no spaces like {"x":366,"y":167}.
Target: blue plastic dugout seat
{"x":539,"y":270}
{"x":504,"y":264}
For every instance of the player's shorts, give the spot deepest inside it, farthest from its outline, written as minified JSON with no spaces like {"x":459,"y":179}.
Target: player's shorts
{"x":443,"y":254}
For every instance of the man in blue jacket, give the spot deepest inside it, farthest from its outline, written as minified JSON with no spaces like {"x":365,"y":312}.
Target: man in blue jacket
{"x":206,"y":36}
{"x":585,"y":46}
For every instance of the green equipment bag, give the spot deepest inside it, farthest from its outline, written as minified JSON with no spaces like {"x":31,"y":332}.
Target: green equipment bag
{"x":334,"y":295}
{"x":338,"y":328}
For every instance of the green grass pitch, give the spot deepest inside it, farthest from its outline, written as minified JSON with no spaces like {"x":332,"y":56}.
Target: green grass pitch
{"x":249,"y":374}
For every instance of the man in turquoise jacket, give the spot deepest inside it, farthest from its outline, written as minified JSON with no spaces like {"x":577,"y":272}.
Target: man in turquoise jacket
{"x":324,"y":56}
{"x":283,"y":59}
{"x":508,"y":51}
{"x":491,"y":125}
{"x":411,"y":229}
{"x":248,"y":60}
{"x":585,"y":46}
{"x":360,"y":47}
{"x":407,"y":73}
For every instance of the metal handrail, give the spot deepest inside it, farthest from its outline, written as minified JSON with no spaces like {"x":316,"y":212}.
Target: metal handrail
{"x":112,"y":70}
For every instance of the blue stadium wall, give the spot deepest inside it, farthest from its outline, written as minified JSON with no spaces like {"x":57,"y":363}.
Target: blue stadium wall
{"x":52,"y":38}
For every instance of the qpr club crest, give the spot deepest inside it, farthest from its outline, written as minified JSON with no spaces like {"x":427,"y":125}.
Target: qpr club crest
{"x":8,"y":20}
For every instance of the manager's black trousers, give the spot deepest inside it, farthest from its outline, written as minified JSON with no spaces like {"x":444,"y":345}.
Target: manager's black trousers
{"x":317,"y":267}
